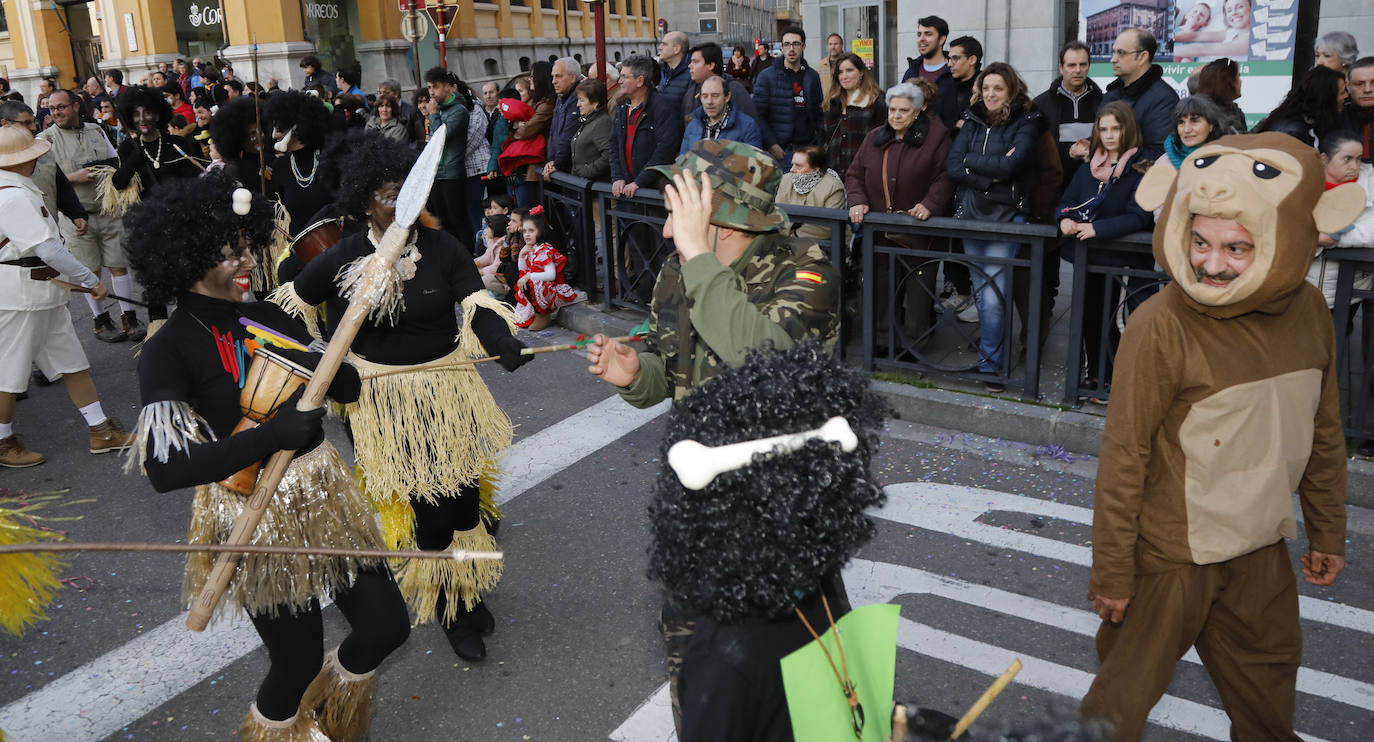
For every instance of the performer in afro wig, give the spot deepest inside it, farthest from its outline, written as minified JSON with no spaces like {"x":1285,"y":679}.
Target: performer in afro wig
{"x":388,"y":161}
{"x":149,"y":156}
{"x":172,"y":243}
{"x":762,"y":541}
{"x":302,"y":124}
{"x":195,"y":241}
{"x":237,"y":131}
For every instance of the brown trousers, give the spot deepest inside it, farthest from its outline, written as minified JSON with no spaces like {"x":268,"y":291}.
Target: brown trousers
{"x":1241,"y":614}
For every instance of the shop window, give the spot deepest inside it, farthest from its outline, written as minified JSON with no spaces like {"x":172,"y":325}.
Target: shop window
{"x":524,"y":64}
{"x":518,"y":3}
{"x":546,"y":4}
{"x":491,"y":67}
{"x":198,"y":28}
{"x":644,"y":8}
{"x":4,"y":22}
{"x":707,"y":25}
{"x":706,"y":6}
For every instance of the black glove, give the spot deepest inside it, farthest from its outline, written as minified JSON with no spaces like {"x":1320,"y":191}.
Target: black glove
{"x":346,"y":385}
{"x":511,"y":358}
{"x":290,"y":429}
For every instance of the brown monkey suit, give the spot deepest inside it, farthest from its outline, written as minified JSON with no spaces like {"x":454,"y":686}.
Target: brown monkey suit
{"x":1224,"y":402}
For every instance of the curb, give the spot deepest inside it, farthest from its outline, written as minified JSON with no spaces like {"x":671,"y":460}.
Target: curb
{"x":1036,"y":425}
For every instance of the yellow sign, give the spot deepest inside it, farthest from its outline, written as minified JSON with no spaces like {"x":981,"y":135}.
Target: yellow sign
{"x":863,"y":48}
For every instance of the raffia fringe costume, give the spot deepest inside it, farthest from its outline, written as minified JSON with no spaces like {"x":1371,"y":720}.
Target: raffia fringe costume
{"x":414,"y":435}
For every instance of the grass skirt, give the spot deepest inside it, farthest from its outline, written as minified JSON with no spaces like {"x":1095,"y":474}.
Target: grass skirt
{"x":318,"y":503}
{"x":422,"y":580}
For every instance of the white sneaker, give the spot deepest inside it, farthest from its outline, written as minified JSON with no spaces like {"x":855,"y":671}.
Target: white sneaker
{"x":968,"y":313}
{"x":955,"y":302}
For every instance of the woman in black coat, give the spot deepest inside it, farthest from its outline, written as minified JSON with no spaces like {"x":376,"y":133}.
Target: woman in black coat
{"x":1099,"y":203}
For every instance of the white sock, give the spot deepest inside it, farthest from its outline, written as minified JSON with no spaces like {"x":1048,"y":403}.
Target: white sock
{"x":94,"y":414}
{"x":96,"y":309}
{"x":124,"y":286}
{"x":6,"y":430}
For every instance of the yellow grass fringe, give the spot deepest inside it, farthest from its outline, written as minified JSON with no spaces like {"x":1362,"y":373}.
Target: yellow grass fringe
{"x":285,"y":296}
{"x":299,"y":728}
{"x":115,"y":201}
{"x":423,"y":434}
{"x":487,"y":492}
{"x":467,"y":337}
{"x":422,"y":580}
{"x":318,"y":503}
{"x":28,"y":580}
{"x":340,"y":701}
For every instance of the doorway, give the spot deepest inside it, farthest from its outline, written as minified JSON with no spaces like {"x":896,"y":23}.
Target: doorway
{"x":869,"y":30}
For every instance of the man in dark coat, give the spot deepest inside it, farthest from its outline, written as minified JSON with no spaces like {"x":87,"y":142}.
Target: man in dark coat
{"x":955,"y":87}
{"x":1140,"y":82}
{"x":703,"y":61}
{"x":1359,"y":110}
{"x":566,"y":76}
{"x":646,"y":130}
{"x":788,"y":98}
{"x":1070,"y":106}
{"x":673,"y":79}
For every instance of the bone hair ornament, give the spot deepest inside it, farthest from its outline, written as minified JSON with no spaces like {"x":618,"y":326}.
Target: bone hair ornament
{"x":697,"y":465}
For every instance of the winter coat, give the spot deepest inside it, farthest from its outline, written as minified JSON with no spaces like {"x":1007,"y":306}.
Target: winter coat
{"x":951,"y":98}
{"x":739,"y":98}
{"x":1153,"y":100}
{"x":536,"y":127}
{"x":657,"y":139}
{"x":1298,"y":128}
{"x":590,"y":147}
{"x":774,"y":93}
{"x":1069,"y":119}
{"x":739,"y":73}
{"x":500,"y":134}
{"x":673,"y":82}
{"x":1361,"y":121}
{"x":846,"y":127}
{"x":393,"y":129}
{"x":1118,"y":214}
{"x":561,"y":130}
{"x":453,"y":115}
{"x":319,"y":78}
{"x":980,"y":166}
{"x":828,"y":193}
{"x":738,"y":128}
{"x":1361,"y":234}
{"x":916,"y":171}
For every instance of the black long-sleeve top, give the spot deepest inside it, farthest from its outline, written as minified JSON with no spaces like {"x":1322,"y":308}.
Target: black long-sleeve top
{"x":301,"y":198}
{"x":428,"y":328}
{"x":181,"y":363}
{"x":68,"y":203}
{"x":175,"y":158}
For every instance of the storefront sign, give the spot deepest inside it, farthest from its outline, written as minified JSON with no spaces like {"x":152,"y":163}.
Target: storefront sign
{"x":205,"y":16}
{"x":863,"y":48}
{"x":322,"y":11}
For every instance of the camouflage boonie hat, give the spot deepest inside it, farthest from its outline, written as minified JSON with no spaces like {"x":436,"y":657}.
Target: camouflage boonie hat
{"x":744,"y":180}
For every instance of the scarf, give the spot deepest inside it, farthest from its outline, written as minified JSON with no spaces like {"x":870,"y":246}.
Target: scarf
{"x":1177,"y":151}
{"x":713,"y":131}
{"x":1109,"y":171}
{"x":803,"y":184}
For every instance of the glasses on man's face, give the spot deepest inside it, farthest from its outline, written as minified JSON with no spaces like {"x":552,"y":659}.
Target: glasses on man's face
{"x":1125,"y":53}
{"x":61,"y":106}
{"x":28,"y":123}
{"x":955,"y":57}
{"x":793,"y":44}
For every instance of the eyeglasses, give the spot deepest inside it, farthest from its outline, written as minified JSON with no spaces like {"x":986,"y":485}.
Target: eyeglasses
{"x":24,"y":122}
{"x":955,"y":57}
{"x":1124,"y":52}
{"x":793,"y":44}
{"x":61,"y":107}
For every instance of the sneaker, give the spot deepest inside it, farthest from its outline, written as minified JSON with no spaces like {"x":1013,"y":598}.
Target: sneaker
{"x":108,"y":436}
{"x":955,"y":301}
{"x":105,"y":330}
{"x":994,"y":387}
{"x":134,"y":329}
{"x":15,"y":456}
{"x":968,"y":314}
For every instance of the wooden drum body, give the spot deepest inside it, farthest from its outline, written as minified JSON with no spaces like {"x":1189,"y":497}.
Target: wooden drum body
{"x":315,"y":239}
{"x":271,"y":379}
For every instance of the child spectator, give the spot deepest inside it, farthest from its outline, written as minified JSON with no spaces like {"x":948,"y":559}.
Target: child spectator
{"x":493,"y":240}
{"x":541,"y":289}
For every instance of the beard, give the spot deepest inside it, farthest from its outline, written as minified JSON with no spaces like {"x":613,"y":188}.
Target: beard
{"x":930,"y":54}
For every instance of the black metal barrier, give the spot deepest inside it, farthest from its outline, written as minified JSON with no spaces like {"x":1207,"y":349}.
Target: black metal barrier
{"x":620,"y":248}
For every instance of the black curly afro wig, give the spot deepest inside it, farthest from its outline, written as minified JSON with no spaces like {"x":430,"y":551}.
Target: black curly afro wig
{"x":232,"y":124}
{"x":142,"y":95}
{"x":179,"y":232}
{"x":758,"y":537}
{"x":1060,"y":722}
{"x":307,"y":114}
{"x":363,"y":161}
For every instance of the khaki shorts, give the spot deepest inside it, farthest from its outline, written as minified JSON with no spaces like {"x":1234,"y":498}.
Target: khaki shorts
{"x":42,"y":337}
{"x":102,"y":245}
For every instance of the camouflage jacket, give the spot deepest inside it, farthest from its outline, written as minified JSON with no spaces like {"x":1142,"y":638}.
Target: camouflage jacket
{"x":705,"y":316}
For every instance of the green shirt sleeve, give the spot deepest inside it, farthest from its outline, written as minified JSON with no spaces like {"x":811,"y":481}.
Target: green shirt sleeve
{"x":802,"y":306}
{"x":651,"y":386}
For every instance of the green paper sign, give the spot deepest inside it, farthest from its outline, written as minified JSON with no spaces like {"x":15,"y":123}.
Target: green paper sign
{"x":815,"y":701}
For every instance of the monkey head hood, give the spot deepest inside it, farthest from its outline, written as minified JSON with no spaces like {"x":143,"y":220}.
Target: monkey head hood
{"x":1271,"y":184}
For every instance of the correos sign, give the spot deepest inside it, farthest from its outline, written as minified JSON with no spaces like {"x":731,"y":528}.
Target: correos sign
{"x":322,"y":11}
{"x":206,"y":16}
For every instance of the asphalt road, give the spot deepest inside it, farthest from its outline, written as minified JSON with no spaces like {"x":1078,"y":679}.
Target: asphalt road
{"x":983,"y":544}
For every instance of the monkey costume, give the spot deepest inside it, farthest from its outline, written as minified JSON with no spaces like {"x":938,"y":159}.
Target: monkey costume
{"x":1224,"y":402}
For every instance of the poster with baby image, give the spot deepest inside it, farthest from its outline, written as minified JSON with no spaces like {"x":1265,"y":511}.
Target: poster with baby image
{"x":1258,"y":35}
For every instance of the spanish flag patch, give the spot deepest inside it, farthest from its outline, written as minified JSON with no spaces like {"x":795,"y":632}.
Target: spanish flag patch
{"x":811,"y":276}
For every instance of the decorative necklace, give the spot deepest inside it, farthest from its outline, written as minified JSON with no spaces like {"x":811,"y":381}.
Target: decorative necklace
{"x":302,"y":180}
{"x":157,"y":161}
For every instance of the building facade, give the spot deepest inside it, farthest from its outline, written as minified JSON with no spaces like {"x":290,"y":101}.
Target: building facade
{"x":723,"y":21}
{"x":487,"y":40}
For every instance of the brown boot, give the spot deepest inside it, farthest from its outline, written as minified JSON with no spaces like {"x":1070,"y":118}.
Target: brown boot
{"x":108,"y":436}
{"x":340,"y":701}
{"x":133,"y":329}
{"x":299,"y":728}
{"x":105,"y":330}
{"x":15,"y":456}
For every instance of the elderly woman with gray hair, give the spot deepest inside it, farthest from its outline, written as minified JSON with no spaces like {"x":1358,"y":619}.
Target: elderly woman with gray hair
{"x":900,"y":168}
{"x":1337,"y":50}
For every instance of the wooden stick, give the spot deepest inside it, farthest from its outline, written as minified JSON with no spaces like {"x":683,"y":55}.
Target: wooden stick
{"x":84,"y":290}
{"x":898,"y":723}
{"x":328,"y":551}
{"x":475,"y":361}
{"x":986,"y":699}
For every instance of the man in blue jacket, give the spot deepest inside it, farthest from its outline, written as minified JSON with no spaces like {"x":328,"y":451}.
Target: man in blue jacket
{"x":674,"y":77}
{"x":718,"y":118}
{"x":645,"y":131}
{"x":566,"y":75}
{"x":1140,"y":82}
{"x":788,"y":98}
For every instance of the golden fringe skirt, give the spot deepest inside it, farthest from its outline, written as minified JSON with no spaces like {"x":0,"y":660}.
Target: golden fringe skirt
{"x":318,"y":503}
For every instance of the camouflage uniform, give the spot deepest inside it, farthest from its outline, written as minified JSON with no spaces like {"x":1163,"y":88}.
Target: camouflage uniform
{"x":705,"y":315}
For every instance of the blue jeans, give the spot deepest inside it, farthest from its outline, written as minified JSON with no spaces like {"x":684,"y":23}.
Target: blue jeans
{"x":991,"y":310}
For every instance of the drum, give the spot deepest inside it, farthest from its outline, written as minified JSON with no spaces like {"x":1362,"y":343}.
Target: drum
{"x":271,"y":379}
{"x":315,"y":239}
